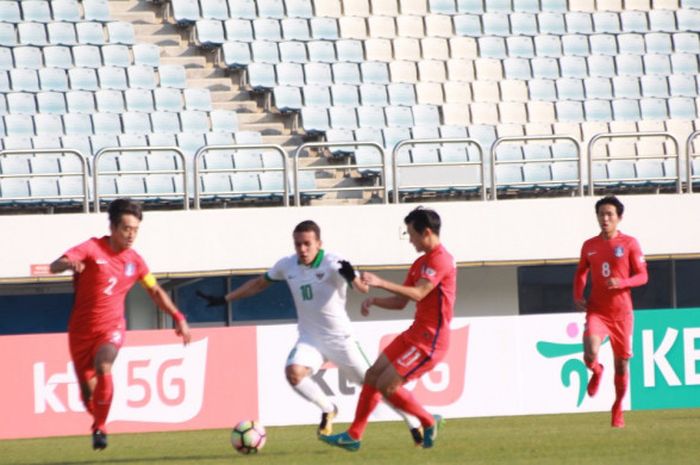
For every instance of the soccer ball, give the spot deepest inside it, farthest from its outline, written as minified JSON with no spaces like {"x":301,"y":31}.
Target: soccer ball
{"x":248,"y":437}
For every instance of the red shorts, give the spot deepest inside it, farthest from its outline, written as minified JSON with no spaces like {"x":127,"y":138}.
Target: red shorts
{"x":83,"y":348}
{"x":619,"y":330}
{"x":409,"y":360}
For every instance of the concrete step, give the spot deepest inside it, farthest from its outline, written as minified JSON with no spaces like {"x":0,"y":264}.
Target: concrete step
{"x":241,"y":106}
{"x":213,"y":84}
{"x":206,"y":72}
{"x":162,"y":40}
{"x":267,"y":129}
{"x":137,"y":18}
{"x":261,"y":117}
{"x":179,"y":51}
{"x":124,"y":6}
{"x":156,"y":29}
{"x":189,"y":62}
{"x":234,"y":95}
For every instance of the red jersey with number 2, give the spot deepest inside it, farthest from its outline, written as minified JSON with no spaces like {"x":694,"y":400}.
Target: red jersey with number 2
{"x":101,"y":288}
{"x":619,"y":257}
{"x":430,"y":330}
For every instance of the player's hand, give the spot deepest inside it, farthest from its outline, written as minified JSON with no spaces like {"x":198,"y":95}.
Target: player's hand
{"x":366,"y":304}
{"x":580,"y":305}
{"x":370,"y":279}
{"x":614,"y":283}
{"x":76,"y":266}
{"x":182,"y":329}
{"x":346,"y":271}
{"x":212,"y":300}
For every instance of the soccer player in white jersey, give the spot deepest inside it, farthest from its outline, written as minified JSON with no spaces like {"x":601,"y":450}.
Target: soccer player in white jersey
{"x":318,"y":282}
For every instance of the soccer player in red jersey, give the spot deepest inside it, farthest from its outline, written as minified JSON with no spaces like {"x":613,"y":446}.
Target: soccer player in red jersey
{"x":432,"y":284}
{"x":104,"y":270}
{"x":617,"y":264}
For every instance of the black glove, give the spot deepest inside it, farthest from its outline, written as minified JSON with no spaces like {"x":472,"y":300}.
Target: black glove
{"x":212,"y":300}
{"x":346,"y":271}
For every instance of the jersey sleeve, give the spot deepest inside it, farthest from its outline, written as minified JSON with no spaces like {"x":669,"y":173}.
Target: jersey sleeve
{"x":146,"y":279}
{"x":638,"y":267}
{"x":581,"y":275}
{"x":79,"y":252}
{"x":277,"y":272}
{"x":435,"y":269}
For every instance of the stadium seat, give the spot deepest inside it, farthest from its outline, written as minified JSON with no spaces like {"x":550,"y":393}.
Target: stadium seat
{"x":346,"y":73}
{"x":90,"y":33}
{"x":236,"y":55}
{"x":210,"y":33}
{"x":143,"y":77}
{"x":214,"y":9}
{"x":109,"y":101}
{"x":314,"y":120}
{"x":551,"y":23}
{"x":144,"y":54}
{"x":140,"y":99}
{"x":344,"y":95}
{"x":166,"y":99}
{"x":238,"y":30}
{"x":121,"y":32}
{"x":287,"y":98}
{"x":185,"y":12}
{"x":194,"y":122}
{"x":267,"y":29}
{"x":496,"y":24}
{"x":295,"y":52}
{"x":370,"y":117}
{"x":290,"y":74}
{"x":118,"y":55}
{"x":295,"y":29}
{"x":66,"y":10}
{"x":299,"y":8}
{"x":342,"y":118}
{"x":523,"y":24}
{"x":165,"y":122}
{"x":111,"y":77}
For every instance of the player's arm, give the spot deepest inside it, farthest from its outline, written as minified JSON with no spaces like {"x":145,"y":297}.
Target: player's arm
{"x":64,"y":263}
{"x":247,"y":289}
{"x":580,"y":278}
{"x":165,"y":303}
{"x":416,"y":293}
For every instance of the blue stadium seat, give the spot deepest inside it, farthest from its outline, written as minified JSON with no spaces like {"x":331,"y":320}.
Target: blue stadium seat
{"x":496,"y":24}
{"x":290,"y":74}
{"x":684,"y":63}
{"x":83,"y":79}
{"x":165,"y":122}
{"x":682,"y":85}
{"x":197,"y":99}
{"x":265,"y":51}
{"x":346,"y":73}
{"x":10,"y":12}
{"x":371,"y":117}
{"x":19,"y":126}
{"x":121,"y":32}
{"x":542,"y":89}
{"x":53,"y":79}
{"x":43,"y":189}
{"x":324,"y":28}
{"x":8,"y":35}
{"x":143,"y":77}
{"x":606,"y":22}
{"x":210,"y":33}
{"x":520,"y":47}
{"x":374,"y":72}
{"x":57,"y":57}
{"x":144,"y":54}
{"x":166,"y":99}
{"x":348,"y":50}
{"x":682,"y":108}
{"x":468,"y":25}
{"x":603,"y":44}
{"x":242,"y":9}
{"x":51,"y":103}
{"x":314,"y":120}
{"x":77,"y":124}
{"x":26,"y":57}
{"x":139,"y":100}
{"x":236,"y":55}
{"x":111,"y":77}
{"x":109,"y":101}
{"x":134,"y":122}
{"x":261,"y":76}
{"x":118,"y":55}
{"x":295,"y":29}
{"x":32,"y":34}
{"x":401,"y":94}
{"x":96,"y":10}
{"x":90,"y":33}
{"x":299,"y":8}
{"x":293,"y":52}
{"x":551,"y":23}
{"x":657,"y":64}
{"x":686,"y":42}
{"x":24,"y":80}
{"x":344,"y":95}
{"x":342,"y":117}
{"x":317,"y":96}
{"x":267,"y":29}
{"x":194,"y":122}
{"x":318,"y":74}
{"x":271,"y":9}
{"x":575,"y":45}
{"x":634,"y":21}
{"x":214,"y":9}
{"x":185,"y":12}
{"x":523,"y":23}
{"x":375,"y":95}
{"x":66,"y":10}
{"x":21,"y":103}
{"x":570,"y":89}
{"x":87,"y":56}
{"x":61,"y":34}
{"x":238,"y":30}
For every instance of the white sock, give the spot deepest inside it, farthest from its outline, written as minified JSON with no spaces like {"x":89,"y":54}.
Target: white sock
{"x":311,"y":391}
{"x":410,"y":420}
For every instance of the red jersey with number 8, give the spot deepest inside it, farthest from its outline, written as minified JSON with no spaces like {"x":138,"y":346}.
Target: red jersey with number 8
{"x":620,"y":258}
{"x":102,"y":286}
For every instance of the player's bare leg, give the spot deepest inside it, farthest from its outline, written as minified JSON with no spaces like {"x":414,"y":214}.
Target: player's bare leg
{"x":591,"y":346}
{"x":299,"y":377}
{"x":621,"y":380}
{"x":102,"y":394}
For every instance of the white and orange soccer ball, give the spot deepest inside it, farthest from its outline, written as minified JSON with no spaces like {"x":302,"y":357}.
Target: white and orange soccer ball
{"x":248,"y":437}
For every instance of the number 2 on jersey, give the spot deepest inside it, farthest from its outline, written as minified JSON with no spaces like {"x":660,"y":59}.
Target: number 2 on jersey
{"x":306,"y":292}
{"x":605,"y":270}
{"x":110,"y":286}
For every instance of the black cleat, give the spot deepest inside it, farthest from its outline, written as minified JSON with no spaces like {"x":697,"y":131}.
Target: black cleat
{"x":417,"y":436}
{"x":99,"y":440}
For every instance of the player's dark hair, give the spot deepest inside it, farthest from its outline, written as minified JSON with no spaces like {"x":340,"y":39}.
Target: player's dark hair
{"x":306,"y":226}
{"x":610,"y":200}
{"x":121,"y":207}
{"x":421,"y":218}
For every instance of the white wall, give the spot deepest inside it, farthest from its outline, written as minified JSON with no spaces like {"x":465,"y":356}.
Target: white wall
{"x":370,"y":235}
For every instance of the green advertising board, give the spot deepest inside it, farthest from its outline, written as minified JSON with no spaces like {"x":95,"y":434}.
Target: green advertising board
{"x":665,"y":369}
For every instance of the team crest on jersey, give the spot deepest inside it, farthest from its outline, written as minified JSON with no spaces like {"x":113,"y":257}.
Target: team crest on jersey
{"x":428,"y":271}
{"x":129,"y":269}
{"x":619,"y":251}
{"x":320,"y":275}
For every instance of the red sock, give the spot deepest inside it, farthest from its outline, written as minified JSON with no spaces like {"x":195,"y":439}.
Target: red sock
{"x":102,"y":400}
{"x":403,"y":399}
{"x":594,"y":366}
{"x":369,"y":398}
{"x":620,"y":387}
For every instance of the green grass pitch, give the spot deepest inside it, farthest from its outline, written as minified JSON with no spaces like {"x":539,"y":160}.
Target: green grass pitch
{"x":651,"y":437}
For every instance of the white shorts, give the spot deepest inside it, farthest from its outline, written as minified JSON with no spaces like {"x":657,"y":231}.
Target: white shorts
{"x":345,"y":353}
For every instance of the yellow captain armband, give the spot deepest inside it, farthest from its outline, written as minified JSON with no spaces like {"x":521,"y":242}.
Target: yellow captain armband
{"x":149,"y":281}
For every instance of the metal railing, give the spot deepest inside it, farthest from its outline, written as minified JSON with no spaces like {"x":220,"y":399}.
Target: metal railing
{"x":310,"y":145}
{"x":395,"y":165}
{"x":622,"y":135}
{"x":494,"y":161}
{"x":689,"y":156}
{"x":83,"y":174}
{"x":120,"y":150}
{"x":213,"y":148}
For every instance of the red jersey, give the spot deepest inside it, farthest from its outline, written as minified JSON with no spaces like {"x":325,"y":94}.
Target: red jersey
{"x":619,"y":257}
{"x":101,"y":288}
{"x":430,"y":330}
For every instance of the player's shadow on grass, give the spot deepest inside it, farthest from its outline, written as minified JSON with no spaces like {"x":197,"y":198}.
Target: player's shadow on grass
{"x":107,"y":460}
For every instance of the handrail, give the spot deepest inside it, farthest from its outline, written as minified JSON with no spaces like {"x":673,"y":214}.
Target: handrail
{"x":621,"y":135}
{"x":103,"y":151}
{"x":310,"y":145}
{"x":413,"y":142}
{"x":83,"y":162}
{"x":208,"y":148}
{"x":689,"y":161}
{"x":551,"y":137}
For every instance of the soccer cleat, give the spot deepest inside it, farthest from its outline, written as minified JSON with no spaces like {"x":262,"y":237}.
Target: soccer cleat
{"x":430,"y":433}
{"x":618,"y":418}
{"x":325,"y":428}
{"x":594,"y":382}
{"x":342,"y":440}
{"x":99,"y":440}
{"x":417,"y":436}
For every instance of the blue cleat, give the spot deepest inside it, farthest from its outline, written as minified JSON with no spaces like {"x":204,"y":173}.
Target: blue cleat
{"x":430,"y":433}
{"x":342,"y":440}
